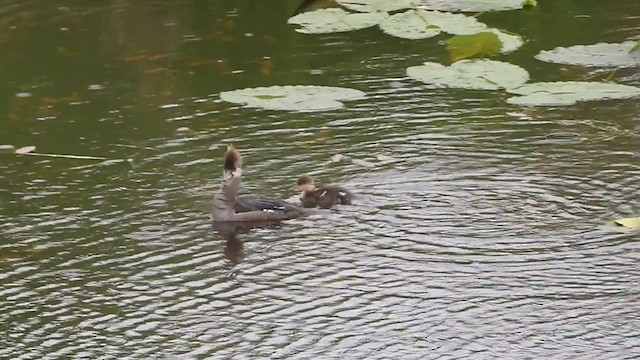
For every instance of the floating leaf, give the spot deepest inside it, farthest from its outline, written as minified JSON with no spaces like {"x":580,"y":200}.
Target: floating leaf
{"x":476,"y":5}
{"x":293,"y":97}
{"x":377,"y":5}
{"x":470,"y":74}
{"x":363,"y":163}
{"x":510,"y":42}
{"x":635,"y":48}
{"x":25,"y":149}
{"x":422,"y":24}
{"x":569,"y":92}
{"x":409,"y":25}
{"x":631,"y":223}
{"x":602,"y":54}
{"x":481,"y":44}
{"x":335,"y":20}
{"x":337,"y":158}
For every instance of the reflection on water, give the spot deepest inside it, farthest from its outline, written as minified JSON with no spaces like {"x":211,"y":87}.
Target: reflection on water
{"x":231,"y":232}
{"x":483,"y":238}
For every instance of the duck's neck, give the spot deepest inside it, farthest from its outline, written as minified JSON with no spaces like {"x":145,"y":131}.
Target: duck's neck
{"x":224,"y":200}
{"x":230,"y":188}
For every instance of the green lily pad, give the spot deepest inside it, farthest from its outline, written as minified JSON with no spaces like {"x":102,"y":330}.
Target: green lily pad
{"x":293,"y":97}
{"x":471,"y":74}
{"x":377,"y":5}
{"x":631,"y":223}
{"x":481,"y":44}
{"x":569,"y":92}
{"x":335,"y":20}
{"x":477,"y":5}
{"x":422,"y":24}
{"x":603,"y":54}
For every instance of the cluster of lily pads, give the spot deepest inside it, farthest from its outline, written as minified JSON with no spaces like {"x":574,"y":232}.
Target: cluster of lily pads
{"x":470,"y":38}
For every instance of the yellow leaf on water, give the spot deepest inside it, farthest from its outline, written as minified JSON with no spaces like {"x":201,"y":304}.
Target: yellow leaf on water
{"x":631,"y":223}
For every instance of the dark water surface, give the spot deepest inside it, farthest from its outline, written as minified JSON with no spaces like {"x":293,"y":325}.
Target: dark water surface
{"x":482,"y":239}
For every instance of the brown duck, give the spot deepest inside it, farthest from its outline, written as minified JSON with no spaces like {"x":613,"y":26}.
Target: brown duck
{"x":229,"y":206}
{"x":323,"y":197}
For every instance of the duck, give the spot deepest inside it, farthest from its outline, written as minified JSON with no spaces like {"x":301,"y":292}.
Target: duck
{"x":323,"y":197}
{"x":229,"y":206}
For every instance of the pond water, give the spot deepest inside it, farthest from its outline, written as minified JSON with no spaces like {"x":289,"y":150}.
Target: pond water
{"x":482,"y":237}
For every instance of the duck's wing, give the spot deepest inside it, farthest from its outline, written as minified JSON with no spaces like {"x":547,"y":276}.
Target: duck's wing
{"x":333,"y":195}
{"x":346,"y":197}
{"x":247,"y":203}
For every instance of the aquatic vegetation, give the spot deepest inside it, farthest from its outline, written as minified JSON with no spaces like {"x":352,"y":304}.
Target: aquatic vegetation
{"x":602,"y":54}
{"x":335,"y":20}
{"x":293,"y":97}
{"x":477,"y":5}
{"x":631,"y":223}
{"x":480,"y":74}
{"x":377,"y":5}
{"x":569,"y":92}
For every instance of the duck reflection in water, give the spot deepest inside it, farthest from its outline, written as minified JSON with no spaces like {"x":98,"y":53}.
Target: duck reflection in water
{"x":229,"y":231}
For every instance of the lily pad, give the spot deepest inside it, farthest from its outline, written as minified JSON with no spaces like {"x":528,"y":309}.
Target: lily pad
{"x":293,"y":97}
{"x":569,"y":92}
{"x":471,"y":74}
{"x":481,"y":44}
{"x":510,"y":42}
{"x":377,"y":5}
{"x":602,"y":54}
{"x":476,"y":5}
{"x":631,"y":223}
{"x":335,"y":20}
{"x":422,"y":24}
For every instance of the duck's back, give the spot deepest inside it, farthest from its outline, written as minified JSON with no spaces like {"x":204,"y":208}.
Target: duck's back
{"x":328,"y":196}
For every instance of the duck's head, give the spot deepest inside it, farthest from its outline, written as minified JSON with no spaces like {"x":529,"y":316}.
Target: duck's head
{"x":232,"y":163}
{"x":306,"y":183}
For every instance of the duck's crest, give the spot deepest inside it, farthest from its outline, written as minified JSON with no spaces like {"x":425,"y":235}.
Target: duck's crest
{"x":232,"y":159}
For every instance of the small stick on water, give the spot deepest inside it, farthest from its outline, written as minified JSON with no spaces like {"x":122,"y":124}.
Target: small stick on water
{"x":110,"y":162}
{"x":136,"y":147}
{"x":67,"y":156}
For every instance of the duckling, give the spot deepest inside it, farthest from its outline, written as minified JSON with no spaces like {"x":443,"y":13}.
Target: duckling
{"x":229,"y":206}
{"x":324,"y":197}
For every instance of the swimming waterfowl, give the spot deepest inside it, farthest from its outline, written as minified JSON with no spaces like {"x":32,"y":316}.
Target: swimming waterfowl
{"x":229,"y":206}
{"x":324,"y":197}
